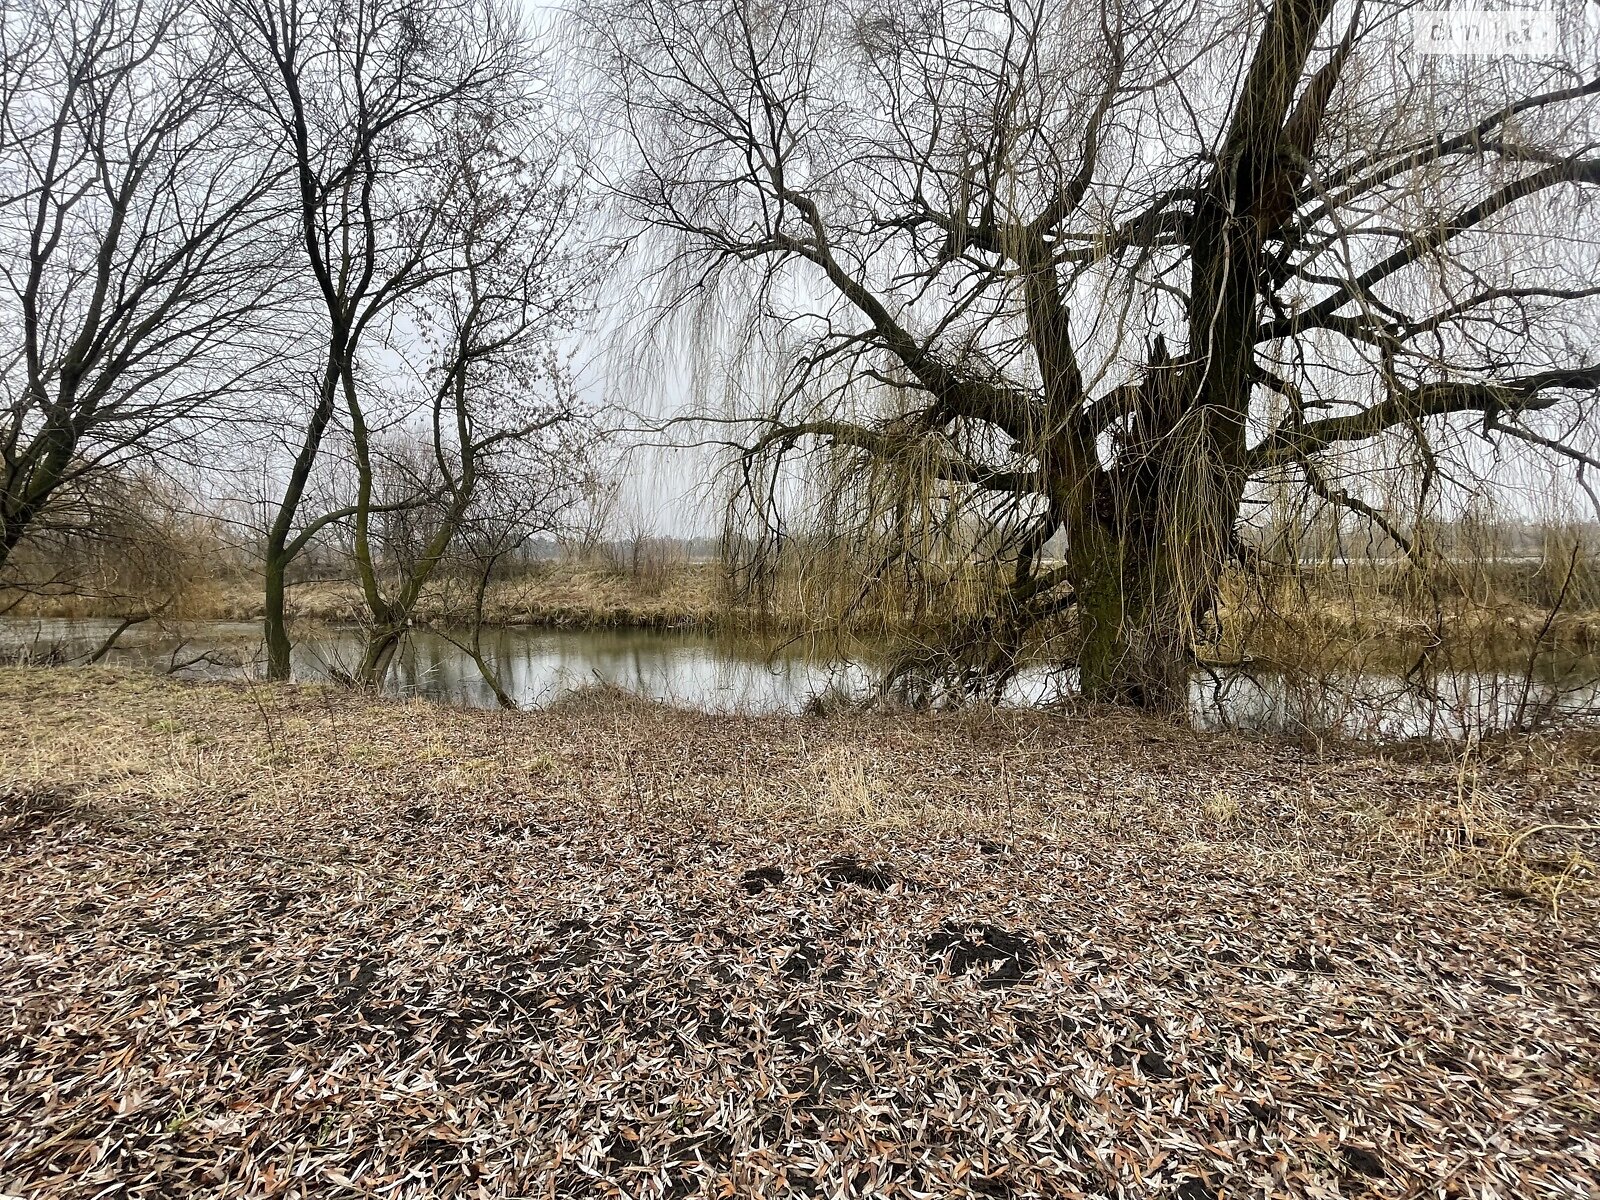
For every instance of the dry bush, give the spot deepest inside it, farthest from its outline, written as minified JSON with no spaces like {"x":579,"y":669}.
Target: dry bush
{"x":122,"y":545}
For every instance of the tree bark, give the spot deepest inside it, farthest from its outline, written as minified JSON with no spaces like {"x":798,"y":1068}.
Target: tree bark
{"x":11,"y":530}
{"x":280,"y":552}
{"x":383,"y":641}
{"x":275,"y":627}
{"x":31,"y":485}
{"x":1145,"y":567}
{"x":1130,"y":652}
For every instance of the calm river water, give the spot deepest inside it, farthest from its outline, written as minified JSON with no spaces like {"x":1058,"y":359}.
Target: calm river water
{"x":719,"y":673}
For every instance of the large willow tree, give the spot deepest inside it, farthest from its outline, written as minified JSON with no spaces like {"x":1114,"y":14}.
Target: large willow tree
{"x":1097,"y":274}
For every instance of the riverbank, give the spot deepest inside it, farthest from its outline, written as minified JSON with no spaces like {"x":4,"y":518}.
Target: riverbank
{"x":558,"y":595}
{"x":1335,"y":622}
{"x":299,"y":941}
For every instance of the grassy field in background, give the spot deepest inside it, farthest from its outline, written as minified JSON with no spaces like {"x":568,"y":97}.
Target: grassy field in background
{"x":557,"y":594}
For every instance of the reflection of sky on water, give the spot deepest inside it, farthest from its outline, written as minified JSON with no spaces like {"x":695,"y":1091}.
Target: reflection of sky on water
{"x":534,"y":666}
{"x":717,"y":674}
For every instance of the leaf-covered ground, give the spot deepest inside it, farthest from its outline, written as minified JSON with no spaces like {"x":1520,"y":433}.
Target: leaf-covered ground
{"x":293,"y":942}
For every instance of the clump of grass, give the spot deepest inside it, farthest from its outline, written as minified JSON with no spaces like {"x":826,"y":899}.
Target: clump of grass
{"x":1220,"y":808}
{"x":844,"y":791}
{"x":599,"y":696}
{"x":1480,"y":835}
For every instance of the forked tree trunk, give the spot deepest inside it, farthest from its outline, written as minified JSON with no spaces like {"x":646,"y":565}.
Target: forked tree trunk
{"x":383,"y":642}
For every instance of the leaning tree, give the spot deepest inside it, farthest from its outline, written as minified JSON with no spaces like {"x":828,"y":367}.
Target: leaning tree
{"x":498,"y":410}
{"x":1095,"y":276}
{"x":137,"y":269}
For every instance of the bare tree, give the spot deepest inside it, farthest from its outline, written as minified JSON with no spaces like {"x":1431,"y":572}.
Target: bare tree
{"x":497,"y":386}
{"x":601,"y":489}
{"x":358,"y":92}
{"x":1098,"y":274}
{"x":135,"y":263}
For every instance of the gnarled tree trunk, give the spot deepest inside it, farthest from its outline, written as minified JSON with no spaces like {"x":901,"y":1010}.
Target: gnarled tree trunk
{"x":1129,"y":651}
{"x":1144,"y":569}
{"x":383,"y":642}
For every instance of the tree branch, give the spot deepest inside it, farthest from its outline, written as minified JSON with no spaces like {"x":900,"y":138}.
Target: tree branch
{"x":887,"y":446}
{"x":1529,"y":393}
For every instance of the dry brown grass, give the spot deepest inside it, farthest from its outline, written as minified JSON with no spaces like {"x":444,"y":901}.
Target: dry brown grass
{"x":296,"y":941}
{"x":112,"y":736}
{"x":1335,"y":619}
{"x":559,"y":594}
